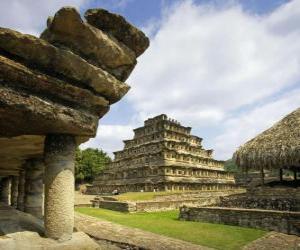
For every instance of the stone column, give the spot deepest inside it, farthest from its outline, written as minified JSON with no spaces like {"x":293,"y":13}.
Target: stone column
{"x":14,"y":191}
{"x":5,"y":190}
{"x":59,"y":186}
{"x":33,"y":201}
{"x":21,"y":191}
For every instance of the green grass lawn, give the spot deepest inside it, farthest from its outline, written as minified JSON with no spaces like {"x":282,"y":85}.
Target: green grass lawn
{"x":142,"y":196}
{"x":166,"y":223}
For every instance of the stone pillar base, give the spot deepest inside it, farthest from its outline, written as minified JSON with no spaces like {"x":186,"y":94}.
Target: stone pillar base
{"x":59,"y":186}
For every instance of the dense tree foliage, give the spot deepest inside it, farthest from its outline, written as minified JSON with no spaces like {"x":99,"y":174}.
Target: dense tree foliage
{"x":89,"y":163}
{"x":231,"y":166}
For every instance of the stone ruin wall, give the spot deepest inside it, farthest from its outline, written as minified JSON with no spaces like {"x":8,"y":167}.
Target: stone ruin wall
{"x":163,"y":155}
{"x":280,"y":221}
{"x":53,"y":91}
{"x":163,"y":202}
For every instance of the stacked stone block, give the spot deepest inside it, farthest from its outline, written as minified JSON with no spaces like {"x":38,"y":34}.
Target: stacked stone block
{"x":53,"y":91}
{"x":163,"y":156}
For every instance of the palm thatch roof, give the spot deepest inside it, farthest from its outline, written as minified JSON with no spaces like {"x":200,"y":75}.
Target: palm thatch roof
{"x":277,"y":147}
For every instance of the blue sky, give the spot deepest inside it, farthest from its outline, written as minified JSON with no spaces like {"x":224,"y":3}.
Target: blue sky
{"x":227,"y":68}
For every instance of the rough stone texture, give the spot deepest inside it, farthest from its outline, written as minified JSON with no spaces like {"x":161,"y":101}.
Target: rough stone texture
{"x":20,"y":76}
{"x":21,"y":191}
{"x":59,"y":186}
{"x":280,"y":198}
{"x":121,"y":206}
{"x":57,"y":92}
{"x":34,"y":187}
{"x":47,"y":88}
{"x":55,"y":61}
{"x":164,"y":203}
{"x":134,"y":238}
{"x":52,"y":117}
{"x":119,"y":28}
{"x":31,"y":240}
{"x":274,"y":241}
{"x":252,"y":179}
{"x":163,"y":156}
{"x":12,"y":220}
{"x":281,"y":221}
{"x":22,"y":231}
{"x":14,"y":191}
{"x":5,"y":190}
{"x":93,"y":44}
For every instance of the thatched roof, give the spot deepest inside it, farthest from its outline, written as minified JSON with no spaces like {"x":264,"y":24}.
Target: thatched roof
{"x":277,"y":147}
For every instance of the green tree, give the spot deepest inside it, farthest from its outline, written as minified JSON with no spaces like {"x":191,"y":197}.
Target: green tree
{"x":89,"y":163}
{"x":231,"y":166}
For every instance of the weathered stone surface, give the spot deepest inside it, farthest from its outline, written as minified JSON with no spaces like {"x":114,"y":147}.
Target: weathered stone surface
{"x":274,"y":241}
{"x":163,"y":156}
{"x":280,"y":198}
{"x":59,"y":186}
{"x":118,"y":27}
{"x":280,"y":221}
{"x":15,"y":150}
{"x":28,"y":240}
{"x":21,"y":191}
{"x":34,"y":189}
{"x":163,"y":202}
{"x":37,"y":116}
{"x":5,"y":190}
{"x":19,"y":76}
{"x":14,"y":191}
{"x":55,"y":91}
{"x":68,"y":30}
{"x":22,"y":231}
{"x":38,"y":53}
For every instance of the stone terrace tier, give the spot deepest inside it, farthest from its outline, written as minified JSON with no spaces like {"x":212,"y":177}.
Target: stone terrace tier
{"x":163,"y":155}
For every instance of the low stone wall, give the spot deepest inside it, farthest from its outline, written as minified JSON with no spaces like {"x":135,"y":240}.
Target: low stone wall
{"x":197,"y":195}
{"x":269,"y":198}
{"x":280,"y":221}
{"x":152,"y":206}
{"x":121,"y":206}
{"x":163,"y":203}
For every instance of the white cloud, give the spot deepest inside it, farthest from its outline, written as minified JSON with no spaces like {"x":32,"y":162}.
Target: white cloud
{"x":109,"y":138}
{"x":205,"y":63}
{"x":242,"y":128}
{"x":207,"y":59}
{"x":30,"y":16}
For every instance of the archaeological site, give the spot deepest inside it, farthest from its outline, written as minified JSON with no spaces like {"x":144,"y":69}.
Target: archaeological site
{"x":165,"y":189}
{"x":163,"y":156}
{"x":53,"y":90}
{"x":274,"y":205}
